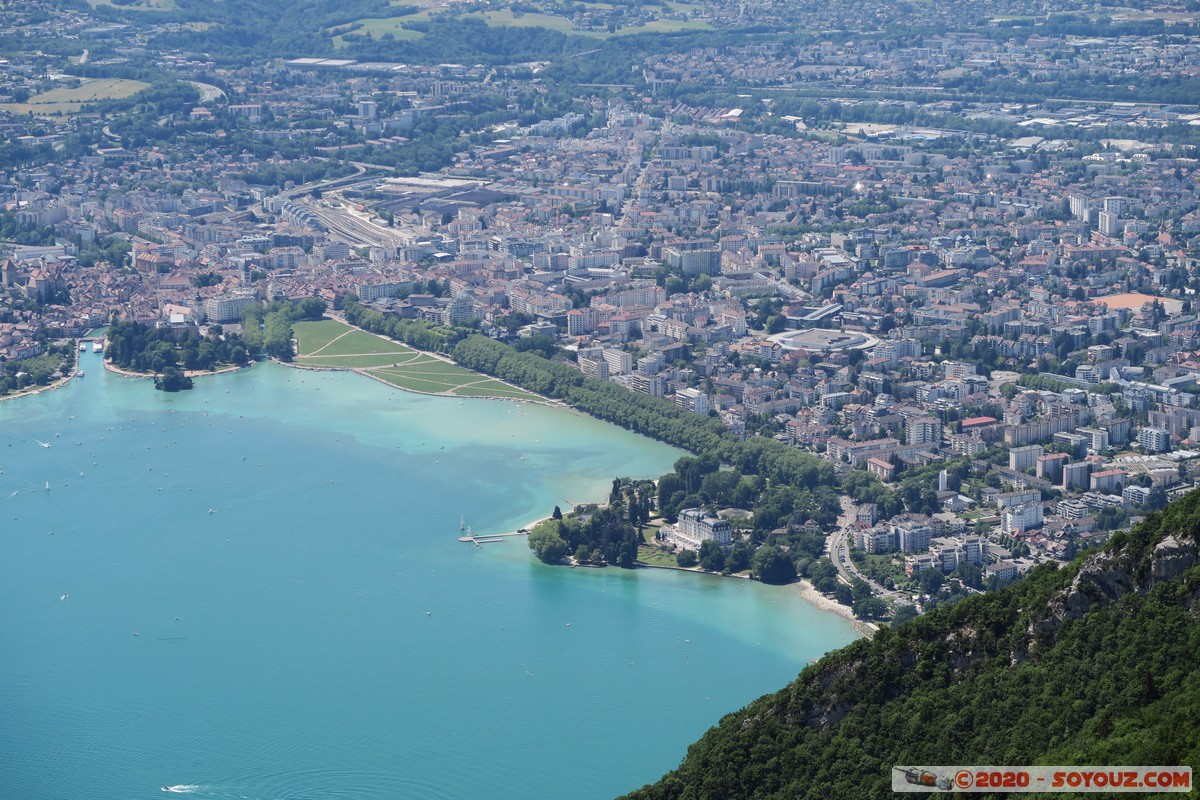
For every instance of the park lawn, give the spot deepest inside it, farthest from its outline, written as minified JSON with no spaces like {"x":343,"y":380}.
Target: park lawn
{"x":456,"y":377}
{"x":70,"y":100}
{"x":361,"y":343}
{"x":413,"y":384}
{"x":312,"y":336}
{"x":334,"y":344}
{"x":365,"y":361}
{"x":494,"y":389}
{"x":434,"y":367}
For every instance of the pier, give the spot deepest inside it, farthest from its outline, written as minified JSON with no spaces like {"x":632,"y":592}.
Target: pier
{"x":480,"y":539}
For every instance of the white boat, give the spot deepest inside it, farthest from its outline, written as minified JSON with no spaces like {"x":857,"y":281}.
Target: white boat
{"x":82,"y":346}
{"x":97,"y":347}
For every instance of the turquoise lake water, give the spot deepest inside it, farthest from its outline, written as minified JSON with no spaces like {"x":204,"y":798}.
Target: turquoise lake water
{"x":284,"y":546}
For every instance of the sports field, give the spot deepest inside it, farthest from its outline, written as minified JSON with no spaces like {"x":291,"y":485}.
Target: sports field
{"x":336,"y":345}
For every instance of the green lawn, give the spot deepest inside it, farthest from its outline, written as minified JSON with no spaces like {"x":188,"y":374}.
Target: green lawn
{"x":70,"y":100}
{"x":506,"y":17}
{"x":330,"y":343}
{"x":449,"y":379}
{"x":412,"y":384}
{"x":447,"y":382}
{"x":366,"y":361}
{"x":358,"y":343}
{"x":435,"y":369}
{"x":313,"y":336}
{"x":378,"y":27}
{"x":494,"y":389}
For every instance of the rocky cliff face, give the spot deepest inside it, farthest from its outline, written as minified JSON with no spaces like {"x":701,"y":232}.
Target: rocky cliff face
{"x":1108,"y":576}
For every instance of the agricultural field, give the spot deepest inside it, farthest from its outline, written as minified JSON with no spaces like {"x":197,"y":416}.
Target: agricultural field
{"x":57,"y":102}
{"x":506,"y":17}
{"x":335,"y":345}
{"x":378,"y":27}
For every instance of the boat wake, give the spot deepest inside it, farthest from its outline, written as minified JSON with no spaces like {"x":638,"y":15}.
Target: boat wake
{"x":183,"y":788}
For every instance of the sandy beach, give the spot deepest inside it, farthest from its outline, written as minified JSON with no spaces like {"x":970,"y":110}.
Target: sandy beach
{"x":810,"y":594}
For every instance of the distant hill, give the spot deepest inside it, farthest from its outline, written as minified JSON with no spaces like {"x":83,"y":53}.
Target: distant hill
{"x":1095,"y":663}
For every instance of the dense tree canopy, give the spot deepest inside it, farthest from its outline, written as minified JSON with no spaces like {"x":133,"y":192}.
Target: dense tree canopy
{"x":145,"y":348}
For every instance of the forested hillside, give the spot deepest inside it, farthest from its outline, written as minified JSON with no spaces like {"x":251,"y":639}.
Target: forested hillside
{"x":1091,"y":664}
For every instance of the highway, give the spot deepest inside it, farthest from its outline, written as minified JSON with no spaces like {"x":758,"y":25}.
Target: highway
{"x":208,"y":92}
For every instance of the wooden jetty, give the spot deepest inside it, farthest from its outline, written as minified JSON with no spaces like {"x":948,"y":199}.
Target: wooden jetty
{"x":491,"y":537}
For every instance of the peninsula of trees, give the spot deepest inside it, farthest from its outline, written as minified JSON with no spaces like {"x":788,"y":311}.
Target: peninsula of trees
{"x":170,"y":353}
{"x":167,"y":353}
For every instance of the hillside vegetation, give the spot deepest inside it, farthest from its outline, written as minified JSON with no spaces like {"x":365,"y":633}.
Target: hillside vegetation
{"x":1090,"y":664}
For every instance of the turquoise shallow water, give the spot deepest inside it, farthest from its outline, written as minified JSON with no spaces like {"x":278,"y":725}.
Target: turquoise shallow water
{"x":284,"y":545}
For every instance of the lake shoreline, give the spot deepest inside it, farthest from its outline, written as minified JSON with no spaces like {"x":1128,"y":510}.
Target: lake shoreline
{"x":190,"y":373}
{"x":30,"y":391}
{"x":807,"y":591}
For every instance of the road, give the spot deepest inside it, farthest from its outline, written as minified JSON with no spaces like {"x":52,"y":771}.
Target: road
{"x":837,"y":547}
{"x":208,"y":92}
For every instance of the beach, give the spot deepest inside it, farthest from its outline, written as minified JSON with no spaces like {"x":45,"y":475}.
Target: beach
{"x":811,"y":595}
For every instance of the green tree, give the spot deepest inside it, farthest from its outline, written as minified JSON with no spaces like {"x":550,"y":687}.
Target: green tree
{"x":547,"y":544}
{"x":772,"y":565}
{"x":905,"y":612}
{"x":712,"y":556}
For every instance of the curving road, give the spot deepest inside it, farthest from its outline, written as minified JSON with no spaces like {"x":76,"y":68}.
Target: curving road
{"x":837,"y":546}
{"x":208,"y":92}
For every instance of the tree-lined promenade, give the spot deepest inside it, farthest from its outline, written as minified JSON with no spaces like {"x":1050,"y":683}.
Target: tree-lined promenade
{"x":792,"y":496}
